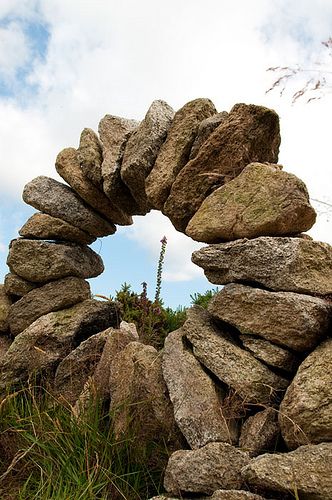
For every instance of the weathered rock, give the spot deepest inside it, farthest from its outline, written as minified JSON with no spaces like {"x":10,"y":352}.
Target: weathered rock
{"x":288,"y":264}
{"x":196,"y":399}
{"x":237,"y":368}
{"x":306,"y":471}
{"x":271,"y":354}
{"x":262,"y":201}
{"x":76,"y":368}
{"x":90,"y":156}
{"x":288,"y":319}
{"x":57,"y":199}
{"x":260,"y":432}
{"x":215,"y":466}
{"x":68,"y":166}
{"x":250,"y":134}
{"x":5,"y":304}
{"x":17,"y":286}
{"x":42,"y":261}
{"x":142,"y":149}
{"x":53,"y":296}
{"x":306,"y":410}
{"x":5,"y":342}
{"x":45,"y":227}
{"x":52,"y":337}
{"x":219,"y":495}
{"x":174,"y":153}
{"x":205,"y":129}
{"x":114,"y":133}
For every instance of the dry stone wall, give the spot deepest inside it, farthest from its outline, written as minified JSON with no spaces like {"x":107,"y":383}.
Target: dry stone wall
{"x":242,"y":392}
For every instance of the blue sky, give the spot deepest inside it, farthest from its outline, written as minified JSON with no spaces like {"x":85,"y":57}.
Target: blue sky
{"x":64,"y":64}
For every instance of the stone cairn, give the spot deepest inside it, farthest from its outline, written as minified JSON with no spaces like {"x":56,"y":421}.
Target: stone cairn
{"x":242,"y":392}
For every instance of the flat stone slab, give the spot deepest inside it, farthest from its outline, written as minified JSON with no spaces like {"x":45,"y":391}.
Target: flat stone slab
{"x":90,"y":155}
{"x":217,"y":350}
{"x":57,"y":199}
{"x":45,"y":227}
{"x":306,"y":410}
{"x":174,"y":153}
{"x":53,"y":296}
{"x":262,"y":201}
{"x":5,"y":305}
{"x":271,"y":354}
{"x":306,"y":471}
{"x":250,"y":134}
{"x":280,"y":264}
{"x":17,"y":286}
{"x":41,"y":261}
{"x":260,"y":432}
{"x":68,"y":166}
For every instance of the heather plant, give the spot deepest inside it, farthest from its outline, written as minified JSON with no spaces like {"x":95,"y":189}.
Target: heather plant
{"x":203,"y":299}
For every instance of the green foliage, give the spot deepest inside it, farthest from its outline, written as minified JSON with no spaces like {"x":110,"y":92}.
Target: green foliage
{"x":203,"y":299}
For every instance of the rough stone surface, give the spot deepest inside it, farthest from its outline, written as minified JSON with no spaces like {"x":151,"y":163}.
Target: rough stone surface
{"x":17,"y":286}
{"x":76,"y":368}
{"x":196,"y":399}
{"x":90,"y":155}
{"x":306,"y":410}
{"x":262,"y":201}
{"x":271,"y":354}
{"x":215,"y":466}
{"x":306,"y":470}
{"x":5,"y":305}
{"x":288,"y":264}
{"x":53,"y":296}
{"x":288,"y":319}
{"x":142,"y":149}
{"x":250,"y":134}
{"x":260,"y":432}
{"x":5,"y":342}
{"x":205,"y":129}
{"x":114,"y":132}
{"x":219,"y":495}
{"x":41,"y":261}
{"x":52,"y":337}
{"x":68,"y":166}
{"x":237,"y":368}
{"x":57,"y":199}
{"x":174,"y":153}
{"x":45,"y":227}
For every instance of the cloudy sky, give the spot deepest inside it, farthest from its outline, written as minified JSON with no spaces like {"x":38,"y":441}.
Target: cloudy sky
{"x":64,"y":64}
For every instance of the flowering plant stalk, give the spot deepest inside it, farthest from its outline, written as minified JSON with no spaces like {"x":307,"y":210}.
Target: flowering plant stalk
{"x":163,"y":242}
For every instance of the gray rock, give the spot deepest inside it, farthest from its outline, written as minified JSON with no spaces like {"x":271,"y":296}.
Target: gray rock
{"x":215,"y":466}
{"x":237,"y":368}
{"x":305,"y":472}
{"x":90,"y":156}
{"x":271,"y":354}
{"x":114,"y":133}
{"x":17,"y":286}
{"x":205,"y":129}
{"x":281,"y":264}
{"x":262,"y":201}
{"x":68,"y":166}
{"x":219,"y":495}
{"x":260,"y":432}
{"x":174,"y":153}
{"x":196,"y":399}
{"x":288,"y":319}
{"x":306,"y":410}
{"x":250,"y":134}
{"x":57,"y":199}
{"x":142,"y":149}
{"x":5,"y":305}
{"x":53,"y":296}
{"x":45,"y":227}
{"x":41,"y":347}
{"x":42,"y":261}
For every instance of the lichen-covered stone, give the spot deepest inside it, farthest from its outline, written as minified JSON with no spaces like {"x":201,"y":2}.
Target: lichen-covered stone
{"x":260,"y":432}
{"x":205,"y":129}
{"x":90,"y":156}
{"x":16,"y":286}
{"x":5,"y":342}
{"x":271,"y":354}
{"x":5,"y":304}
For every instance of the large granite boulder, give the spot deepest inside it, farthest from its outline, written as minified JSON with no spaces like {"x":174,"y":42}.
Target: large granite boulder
{"x":305,"y":472}
{"x":57,"y":199}
{"x":41,"y":261}
{"x":205,"y":129}
{"x":215,"y":466}
{"x":306,"y":410}
{"x":259,"y":433}
{"x":293,"y":320}
{"x":196,"y":399}
{"x":90,"y":155}
{"x":250,"y":134}
{"x":53,"y":296}
{"x":15,"y":286}
{"x":262,"y":201}
{"x":5,"y":305}
{"x":281,"y":264}
{"x":217,"y":350}
{"x":45,"y":227}
{"x":142,"y":149}
{"x":68,"y":166}
{"x":174,"y":153}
